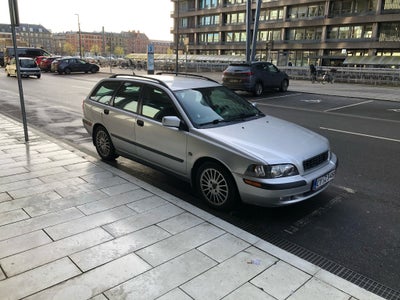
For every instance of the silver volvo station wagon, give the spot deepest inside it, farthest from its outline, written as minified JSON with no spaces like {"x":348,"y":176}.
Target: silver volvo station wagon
{"x":198,"y":130}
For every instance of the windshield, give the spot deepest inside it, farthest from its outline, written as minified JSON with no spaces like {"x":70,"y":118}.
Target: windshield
{"x":27,"y":63}
{"x":215,"y":105}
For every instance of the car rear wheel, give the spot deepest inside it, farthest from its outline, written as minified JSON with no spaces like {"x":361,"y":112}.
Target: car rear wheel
{"x":216,"y":186}
{"x":284,"y":86}
{"x":258,"y":89}
{"x":67,"y":71}
{"x":104,"y":145}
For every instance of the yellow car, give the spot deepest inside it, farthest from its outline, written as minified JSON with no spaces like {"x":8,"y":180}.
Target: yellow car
{"x":27,"y":67}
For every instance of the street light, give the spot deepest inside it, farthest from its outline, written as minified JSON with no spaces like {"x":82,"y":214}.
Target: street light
{"x":80,"y":37}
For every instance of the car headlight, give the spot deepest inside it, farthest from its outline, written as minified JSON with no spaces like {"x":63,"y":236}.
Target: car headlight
{"x":272,"y":171}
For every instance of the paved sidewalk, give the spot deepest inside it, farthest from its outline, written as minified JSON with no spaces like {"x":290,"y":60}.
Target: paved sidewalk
{"x":72,"y":227}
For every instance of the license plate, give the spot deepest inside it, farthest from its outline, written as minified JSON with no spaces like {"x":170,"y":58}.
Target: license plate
{"x":234,"y":80}
{"x":321,"y":181}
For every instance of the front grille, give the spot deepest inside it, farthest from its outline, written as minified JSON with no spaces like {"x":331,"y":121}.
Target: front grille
{"x":315,"y":161}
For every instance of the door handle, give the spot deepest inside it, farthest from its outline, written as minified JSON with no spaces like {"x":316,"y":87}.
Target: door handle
{"x":140,"y":123}
{"x":106,"y":111}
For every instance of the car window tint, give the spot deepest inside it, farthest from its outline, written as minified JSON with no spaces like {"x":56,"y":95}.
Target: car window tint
{"x":105,"y":91}
{"x":157,"y":104}
{"x":127,"y":97}
{"x":272,"y":68}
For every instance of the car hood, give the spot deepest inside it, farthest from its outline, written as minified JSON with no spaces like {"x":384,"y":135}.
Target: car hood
{"x":270,"y":140}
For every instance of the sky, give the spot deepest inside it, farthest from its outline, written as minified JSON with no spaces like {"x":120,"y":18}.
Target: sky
{"x":151,"y":17}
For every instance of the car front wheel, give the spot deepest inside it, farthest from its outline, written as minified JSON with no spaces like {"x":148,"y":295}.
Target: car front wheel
{"x":216,"y":186}
{"x":104,"y":145}
{"x":284,"y":86}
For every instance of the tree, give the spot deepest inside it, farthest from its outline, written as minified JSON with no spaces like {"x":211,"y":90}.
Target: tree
{"x":95,"y":49}
{"x":119,"y":51}
{"x":69,"y":49}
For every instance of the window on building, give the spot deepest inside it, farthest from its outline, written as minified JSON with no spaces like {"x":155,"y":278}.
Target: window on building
{"x":389,"y":32}
{"x":391,"y":4}
{"x":271,"y":15}
{"x":236,"y":18}
{"x":233,"y":2}
{"x":209,"y":20}
{"x":301,"y":12}
{"x":209,"y":38}
{"x":352,"y":7}
{"x":206,"y":4}
{"x":183,"y":23}
{"x":269,"y":35}
{"x":350,"y":32}
{"x":303,"y":34}
{"x":235,"y":37}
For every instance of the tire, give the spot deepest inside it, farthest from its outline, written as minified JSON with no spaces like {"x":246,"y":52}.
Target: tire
{"x":93,"y":70}
{"x":284,"y":86}
{"x":258,"y":89}
{"x":104,"y":145}
{"x":38,"y":76}
{"x":67,"y":71}
{"x":216,"y":186}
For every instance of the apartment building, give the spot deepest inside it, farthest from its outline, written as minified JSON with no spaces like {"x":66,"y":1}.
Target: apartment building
{"x":294,"y":32}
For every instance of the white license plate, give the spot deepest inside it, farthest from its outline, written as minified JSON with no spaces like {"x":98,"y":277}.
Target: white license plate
{"x":321,"y":181}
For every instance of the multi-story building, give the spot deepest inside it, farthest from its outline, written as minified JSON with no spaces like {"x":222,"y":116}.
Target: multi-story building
{"x":29,"y":35}
{"x":297,"y":31}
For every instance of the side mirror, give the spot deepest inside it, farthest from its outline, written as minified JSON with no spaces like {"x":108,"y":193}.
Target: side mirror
{"x":171,"y":121}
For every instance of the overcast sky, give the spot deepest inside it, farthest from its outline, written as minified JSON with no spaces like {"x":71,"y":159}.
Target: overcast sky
{"x":151,"y":17}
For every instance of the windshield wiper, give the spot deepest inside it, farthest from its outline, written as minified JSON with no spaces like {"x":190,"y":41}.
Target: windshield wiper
{"x":214,"y":122}
{"x":243,"y":116}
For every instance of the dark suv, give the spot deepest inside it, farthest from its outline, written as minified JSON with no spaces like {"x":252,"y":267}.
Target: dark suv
{"x":255,"y":77}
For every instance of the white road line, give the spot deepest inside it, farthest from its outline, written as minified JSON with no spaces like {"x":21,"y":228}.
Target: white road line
{"x":350,"y":105}
{"x":361,"y":134}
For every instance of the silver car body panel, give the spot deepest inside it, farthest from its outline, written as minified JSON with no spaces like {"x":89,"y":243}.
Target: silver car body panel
{"x":266,"y":141}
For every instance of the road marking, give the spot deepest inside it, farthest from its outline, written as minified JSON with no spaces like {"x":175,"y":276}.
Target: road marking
{"x":312,"y":101}
{"x":394,"y":109}
{"x":350,"y":105}
{"x":362,"y":134}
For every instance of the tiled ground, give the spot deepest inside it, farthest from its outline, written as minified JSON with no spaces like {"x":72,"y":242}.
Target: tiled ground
{"x":72,"y":227}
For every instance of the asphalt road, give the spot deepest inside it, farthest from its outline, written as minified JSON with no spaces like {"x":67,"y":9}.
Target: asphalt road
{"x":354,"y":223}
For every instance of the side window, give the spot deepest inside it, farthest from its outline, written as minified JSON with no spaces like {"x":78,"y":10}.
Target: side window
{"x":272,"y":68}
{"x":105,"y":91}
{"x":156,"y":104}
{"x":127,"y":97}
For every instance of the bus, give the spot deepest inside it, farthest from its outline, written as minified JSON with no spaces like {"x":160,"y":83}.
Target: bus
{"x":23,"y":52}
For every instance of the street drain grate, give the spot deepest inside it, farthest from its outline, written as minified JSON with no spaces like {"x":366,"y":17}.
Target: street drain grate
{"x":335,"y":268}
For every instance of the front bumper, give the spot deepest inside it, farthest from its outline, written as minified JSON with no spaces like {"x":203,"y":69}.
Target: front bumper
{"x":285,"y":191}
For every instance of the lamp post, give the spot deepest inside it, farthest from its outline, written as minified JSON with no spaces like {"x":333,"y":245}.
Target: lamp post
{"x":80,"y":36}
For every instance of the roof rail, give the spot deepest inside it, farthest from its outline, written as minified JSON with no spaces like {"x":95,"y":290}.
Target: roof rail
{"x":188,"y":75}
{"x":140,"y":76}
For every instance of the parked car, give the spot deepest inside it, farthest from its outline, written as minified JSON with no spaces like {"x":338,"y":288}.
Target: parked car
{"x":45,"y":64}
{"x":69,"y":65}
{"x":202,"y":132}
{"x":255,"y":77}
{"x":27,"y":67}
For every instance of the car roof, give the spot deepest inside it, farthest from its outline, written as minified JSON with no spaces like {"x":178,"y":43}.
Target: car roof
{"x":172,"y":81}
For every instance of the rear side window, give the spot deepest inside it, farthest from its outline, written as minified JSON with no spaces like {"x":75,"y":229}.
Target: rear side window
{"x":127,"y":97}
{"x":105,"y":91}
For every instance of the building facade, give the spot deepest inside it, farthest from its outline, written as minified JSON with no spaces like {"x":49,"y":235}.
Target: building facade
{"x":295,"y":32}
{"x":91,"y":43}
